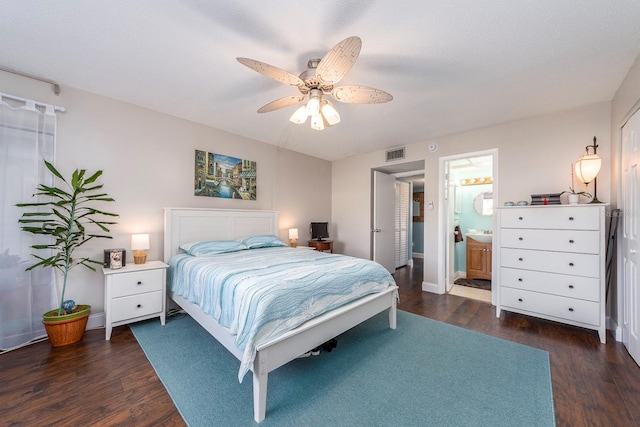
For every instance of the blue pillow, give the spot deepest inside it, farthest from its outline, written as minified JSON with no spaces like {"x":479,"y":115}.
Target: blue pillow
{"x":212,"y":247}
{"x":263,"y":241}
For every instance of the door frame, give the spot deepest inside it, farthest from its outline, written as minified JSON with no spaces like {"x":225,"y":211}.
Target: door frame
{"x":443,"y":220}
{"x":620,"y":282}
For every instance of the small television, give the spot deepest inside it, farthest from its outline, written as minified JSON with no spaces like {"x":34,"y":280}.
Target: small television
{"x":319,"y":230}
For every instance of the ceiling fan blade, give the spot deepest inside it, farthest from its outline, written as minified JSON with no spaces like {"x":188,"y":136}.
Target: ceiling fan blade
{"x":339,"y":60}
{"x":281,"y":103}
{"x":272,"y":72}
{"x":360,"y":95}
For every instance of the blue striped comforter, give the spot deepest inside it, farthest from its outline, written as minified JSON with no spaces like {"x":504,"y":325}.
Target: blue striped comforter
{"x":259,"y":294}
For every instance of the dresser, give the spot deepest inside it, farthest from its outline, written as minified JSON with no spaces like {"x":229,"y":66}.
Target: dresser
{"x":135,"y":292}
{"x":551,"y":263}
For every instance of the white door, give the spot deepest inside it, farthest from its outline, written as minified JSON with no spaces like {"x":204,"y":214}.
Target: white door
{"x":402,"y":224}
{"x":383,"y":230}
{"x":631,"y":222}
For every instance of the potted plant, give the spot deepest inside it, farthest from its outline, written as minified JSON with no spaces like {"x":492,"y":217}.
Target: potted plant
{"x":68,"y":220}
{"x":574,"y":196}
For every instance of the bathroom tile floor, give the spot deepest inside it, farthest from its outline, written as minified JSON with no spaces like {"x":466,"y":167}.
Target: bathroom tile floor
{"x":474,"y":293}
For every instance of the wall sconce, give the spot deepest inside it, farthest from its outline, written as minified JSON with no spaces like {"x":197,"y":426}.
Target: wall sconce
{"x":587,"y":168}
{"x":139,"y":243}
{"x":293,"y":237}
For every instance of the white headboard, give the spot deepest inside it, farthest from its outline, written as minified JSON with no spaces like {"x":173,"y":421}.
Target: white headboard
{"x":184,"y":225}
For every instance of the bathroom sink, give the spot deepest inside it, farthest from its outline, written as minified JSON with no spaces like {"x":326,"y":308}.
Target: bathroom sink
{"x":481,"y":237}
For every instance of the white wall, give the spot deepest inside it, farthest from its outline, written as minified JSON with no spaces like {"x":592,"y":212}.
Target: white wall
{"x":148,"y":163}
{"x":535,"y":156}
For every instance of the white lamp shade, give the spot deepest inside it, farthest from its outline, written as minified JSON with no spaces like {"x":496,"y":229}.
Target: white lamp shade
{"x":587,"y":167}
{"x":330,"y":114}
{"x":317,"y":122}
{"x":300,"y":116}
{"x":293,"y":233}
{"x":139,"y":241}
{"x":313,"y":106}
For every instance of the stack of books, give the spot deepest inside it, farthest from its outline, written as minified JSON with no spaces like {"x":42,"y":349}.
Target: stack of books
{"x":545,"y":199}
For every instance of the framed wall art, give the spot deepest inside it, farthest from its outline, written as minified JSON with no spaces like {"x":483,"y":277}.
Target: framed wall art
{"x":217,"y":175}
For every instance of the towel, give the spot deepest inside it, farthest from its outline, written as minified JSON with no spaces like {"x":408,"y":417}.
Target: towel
{"x":458,"y":234}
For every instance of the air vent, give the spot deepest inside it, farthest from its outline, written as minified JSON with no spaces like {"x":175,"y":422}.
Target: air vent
{"x":395,"y":154}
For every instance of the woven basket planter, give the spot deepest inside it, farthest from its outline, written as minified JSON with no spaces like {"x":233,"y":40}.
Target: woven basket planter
{"x":66,"y":329}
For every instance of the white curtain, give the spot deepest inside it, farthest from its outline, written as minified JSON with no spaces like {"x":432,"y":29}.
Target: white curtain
{"x":27,"y":136}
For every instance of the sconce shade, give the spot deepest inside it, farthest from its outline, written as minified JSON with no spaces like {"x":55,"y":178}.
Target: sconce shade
{"x":300,"y":116}
{"x":587,"y":167}
{"x":139,"y":243}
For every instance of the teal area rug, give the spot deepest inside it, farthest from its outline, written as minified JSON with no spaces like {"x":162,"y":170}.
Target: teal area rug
{"x":424,"y":373}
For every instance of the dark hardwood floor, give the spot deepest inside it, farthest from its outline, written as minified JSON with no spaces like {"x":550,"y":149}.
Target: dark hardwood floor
{"x":98,"y":382}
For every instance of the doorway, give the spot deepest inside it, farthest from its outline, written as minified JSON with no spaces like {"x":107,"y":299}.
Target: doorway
{"x":467,"y":194}
{"x":393,"y":240}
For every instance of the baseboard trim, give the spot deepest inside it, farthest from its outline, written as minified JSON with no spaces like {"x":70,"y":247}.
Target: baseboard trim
{"x":431,"y":287}
{"x":96,"y":321}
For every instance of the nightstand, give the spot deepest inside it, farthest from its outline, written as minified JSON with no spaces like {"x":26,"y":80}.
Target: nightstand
{"x":322,"y":245}
{"x":133,"y":293}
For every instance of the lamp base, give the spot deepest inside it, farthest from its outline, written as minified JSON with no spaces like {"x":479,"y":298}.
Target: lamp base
{"x":139,"y":257}
{"x":595,"y":201}
{"x":294,"y":243}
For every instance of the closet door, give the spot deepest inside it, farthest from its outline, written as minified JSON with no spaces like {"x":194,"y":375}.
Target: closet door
{"x":630,"y":231}
{"x":402,"y":223}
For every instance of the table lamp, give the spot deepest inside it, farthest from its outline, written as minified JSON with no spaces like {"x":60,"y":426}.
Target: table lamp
{"x":293,"y":237}
{"x":139,"y":243}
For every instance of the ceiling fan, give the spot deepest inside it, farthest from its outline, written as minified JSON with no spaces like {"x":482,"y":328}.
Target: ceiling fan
{"x":317,"y":83}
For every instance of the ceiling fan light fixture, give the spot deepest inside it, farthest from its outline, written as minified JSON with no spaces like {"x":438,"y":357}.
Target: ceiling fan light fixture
{"x":313,"y":106}
{"x":300,"y":115}
{"x":330,"y":113}
{"x":317,"y":122}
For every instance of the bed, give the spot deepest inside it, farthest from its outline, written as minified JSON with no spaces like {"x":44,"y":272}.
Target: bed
{"x":184,"y":225}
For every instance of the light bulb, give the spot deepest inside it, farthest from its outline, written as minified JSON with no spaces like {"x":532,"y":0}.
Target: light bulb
{"x":330,"y":113}
{"x":300,"y":115}
{"x":316,"y":122}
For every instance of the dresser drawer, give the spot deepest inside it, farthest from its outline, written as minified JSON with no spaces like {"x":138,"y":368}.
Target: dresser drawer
{"x":586,"y":288}
{"x":582,"y":241}
{"x":551,"y":305}
{"x":133,"y":306}
{"x":586,"y":265}
{"x":137,"y":282}
{"x":551,"y":217}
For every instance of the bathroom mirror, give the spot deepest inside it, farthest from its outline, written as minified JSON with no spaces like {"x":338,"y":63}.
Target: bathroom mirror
{"x":483,"y":203}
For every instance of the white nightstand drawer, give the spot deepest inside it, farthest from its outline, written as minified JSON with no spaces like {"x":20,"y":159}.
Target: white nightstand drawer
{"x":587,"y":242}
{"x":133,"y":306}
{"x":586,"y":288}
{"x":550,"y":305}
{"x":551,"y":217}
{"x":137,"y":282}
{"x":587,"y":265}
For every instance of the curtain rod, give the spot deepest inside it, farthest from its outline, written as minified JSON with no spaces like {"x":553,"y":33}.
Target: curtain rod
{"x":56,"y":86}
{"x":17,"y":98}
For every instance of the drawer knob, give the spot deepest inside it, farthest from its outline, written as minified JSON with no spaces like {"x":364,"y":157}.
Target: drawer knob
{"x":519,"y":259}
{"x":520,"y":218}
{"x":139,"y":282}
{"x":570,"y":308}
{"x":520,"y":299}
{"x":570,"y":218}
{"x":520,"y":238}
{"x":139,"y":305}
{"x":570,"y":286}
{"x":571,"y":241}
{"x":520,"y":279}
{"x":570,"y":264}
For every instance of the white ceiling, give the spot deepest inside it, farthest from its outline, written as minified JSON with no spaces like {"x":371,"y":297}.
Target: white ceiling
{"x":451,"y":65}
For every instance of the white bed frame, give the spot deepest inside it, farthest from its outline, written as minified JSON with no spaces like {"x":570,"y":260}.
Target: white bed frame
{"x":183,"y":225}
